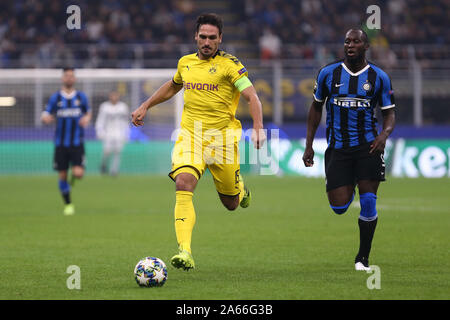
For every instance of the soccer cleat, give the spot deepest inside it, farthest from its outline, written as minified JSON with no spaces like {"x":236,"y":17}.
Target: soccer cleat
{"x":362,"y":264}
{"x":69,"y":209}
{"x":359,"y":266}
{"x":246,"y":199}
{"x":183,"y":260}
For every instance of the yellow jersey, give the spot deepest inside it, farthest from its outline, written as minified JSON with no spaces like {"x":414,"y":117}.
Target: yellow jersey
{"x":209,"y":92}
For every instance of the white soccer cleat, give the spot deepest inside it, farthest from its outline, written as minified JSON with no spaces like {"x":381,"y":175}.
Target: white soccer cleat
{"x":360,"y":267}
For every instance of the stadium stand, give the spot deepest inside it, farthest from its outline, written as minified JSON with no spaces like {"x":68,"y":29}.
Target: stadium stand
{"x":116,"y":34}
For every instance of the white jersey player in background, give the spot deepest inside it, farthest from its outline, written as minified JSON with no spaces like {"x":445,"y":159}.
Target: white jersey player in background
{"x":112,"y":128}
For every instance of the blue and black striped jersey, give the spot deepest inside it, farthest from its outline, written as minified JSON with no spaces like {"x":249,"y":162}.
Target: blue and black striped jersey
{"x":68,"y":110}
{"x":351,"y":99}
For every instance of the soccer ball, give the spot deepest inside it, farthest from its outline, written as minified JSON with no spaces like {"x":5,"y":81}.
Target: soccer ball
{"x":150,"y":272}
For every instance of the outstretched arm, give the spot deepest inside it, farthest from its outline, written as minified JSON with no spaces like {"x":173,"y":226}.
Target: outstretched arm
{"x":258,"y":135}
{"x":314,"y":116}
{"x":164,"y":93}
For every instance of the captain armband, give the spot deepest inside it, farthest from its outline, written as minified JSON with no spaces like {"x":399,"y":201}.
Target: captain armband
{"x":243,"y":83}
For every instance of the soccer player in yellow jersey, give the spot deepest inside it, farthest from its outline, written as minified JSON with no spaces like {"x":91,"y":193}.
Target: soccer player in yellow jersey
{"x":213,"y":81}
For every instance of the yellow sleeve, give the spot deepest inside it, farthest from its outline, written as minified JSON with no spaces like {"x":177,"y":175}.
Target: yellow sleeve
{"x":235,"y":69}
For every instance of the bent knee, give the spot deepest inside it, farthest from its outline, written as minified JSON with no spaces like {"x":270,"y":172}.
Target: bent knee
{"x":181,"y":185}
{"x":341,"y":209}
{"x":231,"y":204}
{"x":78,"y":173}
{"x":185,"y":182}
{"x":231,"y":207}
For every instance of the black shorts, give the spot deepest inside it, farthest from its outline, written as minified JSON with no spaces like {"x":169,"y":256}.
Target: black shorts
{"x":65,"y":156}
{"x":348,"y":166}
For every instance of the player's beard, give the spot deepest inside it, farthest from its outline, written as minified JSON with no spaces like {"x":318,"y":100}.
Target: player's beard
{"x":358,"y":55}
{"x":355,"y":58}
{"x":208,"y":53}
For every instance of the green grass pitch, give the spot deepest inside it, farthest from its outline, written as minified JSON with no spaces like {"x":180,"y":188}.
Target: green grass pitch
{"x":287,"y":245}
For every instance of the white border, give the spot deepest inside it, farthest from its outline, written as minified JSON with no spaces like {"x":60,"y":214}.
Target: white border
{"x":357,"y":73}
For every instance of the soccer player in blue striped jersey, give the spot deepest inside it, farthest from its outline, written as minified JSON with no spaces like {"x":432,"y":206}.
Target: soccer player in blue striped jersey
{"x":70,"y":110}
{"x":351,"y":89}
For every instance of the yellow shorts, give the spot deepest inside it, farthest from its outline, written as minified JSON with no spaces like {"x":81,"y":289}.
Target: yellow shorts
{"x":222,"y":161}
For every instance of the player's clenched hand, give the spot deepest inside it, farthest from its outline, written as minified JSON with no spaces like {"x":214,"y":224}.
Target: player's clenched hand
{"x":379,"y":143}
{"x":258,"y":138}
{"x":84,"y":121}
{"x":47,"y":118}
{"x":308,"y":157}
{"x":138,"y":115}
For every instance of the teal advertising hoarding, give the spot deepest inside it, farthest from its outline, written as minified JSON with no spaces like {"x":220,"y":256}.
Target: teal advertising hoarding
{"x":404,"y":158}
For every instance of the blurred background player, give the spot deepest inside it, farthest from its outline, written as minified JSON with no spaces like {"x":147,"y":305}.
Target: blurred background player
{"x":112,"y":128}
{"x":352,"y":89}
{"x":213,"y":81}
{"x":70,"y":109}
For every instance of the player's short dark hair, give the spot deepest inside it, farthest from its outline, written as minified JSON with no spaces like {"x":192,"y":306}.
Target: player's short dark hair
{"x":364,"y":36}
{"x":68,"y":69}
{"x":210,"y":18}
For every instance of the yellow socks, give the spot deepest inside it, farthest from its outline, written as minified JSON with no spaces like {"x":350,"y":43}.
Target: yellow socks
{"x":184,"y":219}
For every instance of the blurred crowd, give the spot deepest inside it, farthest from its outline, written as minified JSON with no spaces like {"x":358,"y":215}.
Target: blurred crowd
{"x":292,"y":24}
{"x":116,"y":33}
{"x":35,"y":32}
